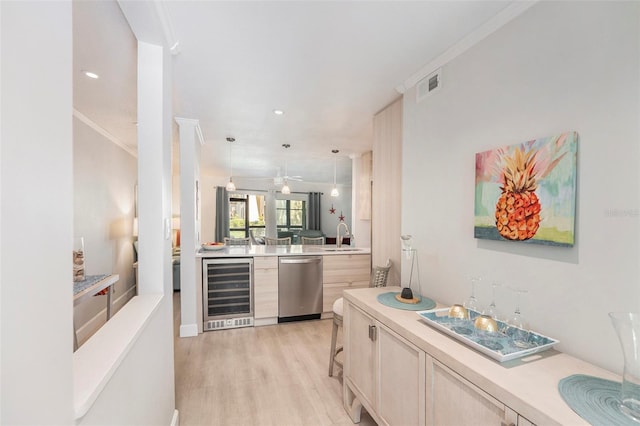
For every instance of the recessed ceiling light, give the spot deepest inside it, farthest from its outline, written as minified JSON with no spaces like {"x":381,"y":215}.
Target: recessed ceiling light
{"x":91,"y":74}
{"x":278,"y":111}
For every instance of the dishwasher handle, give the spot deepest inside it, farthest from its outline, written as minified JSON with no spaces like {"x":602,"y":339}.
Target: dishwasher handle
{"x":300,"y":260}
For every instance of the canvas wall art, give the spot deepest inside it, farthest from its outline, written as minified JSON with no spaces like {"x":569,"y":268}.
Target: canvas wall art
{"x":527,"y":192}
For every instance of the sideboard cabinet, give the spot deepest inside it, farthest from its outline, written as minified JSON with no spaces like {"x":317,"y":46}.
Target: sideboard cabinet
{"x":404,"y":372}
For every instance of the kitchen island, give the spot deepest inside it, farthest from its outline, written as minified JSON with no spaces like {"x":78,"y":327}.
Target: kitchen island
{"x":342,"y":268}
{"x":406,"y":372}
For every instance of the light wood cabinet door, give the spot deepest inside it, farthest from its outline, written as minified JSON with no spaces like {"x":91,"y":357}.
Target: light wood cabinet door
{"x":456,"y":401}
{"x":360,"y":353}
{"x":401,"y":380}
{"x":383,"y":372}
{"x":265,"y":287}
{"x":342,"y":272}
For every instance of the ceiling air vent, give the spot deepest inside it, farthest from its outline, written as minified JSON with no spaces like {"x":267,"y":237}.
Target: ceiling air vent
{"x":429,"y":85}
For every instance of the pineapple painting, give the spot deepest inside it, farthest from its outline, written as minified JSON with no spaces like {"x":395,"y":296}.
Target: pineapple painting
{"x":526,"y":192}
{"x":518,"y":208}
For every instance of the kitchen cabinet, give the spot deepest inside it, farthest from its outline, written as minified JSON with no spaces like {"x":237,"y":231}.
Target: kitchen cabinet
{"x":456,"y":401}
{"x":342,"y":272}
{"x":383,"y":372}
{"x":265,"y":289}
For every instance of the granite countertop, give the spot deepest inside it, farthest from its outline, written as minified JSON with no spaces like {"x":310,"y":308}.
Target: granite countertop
{"x":292,"y":250}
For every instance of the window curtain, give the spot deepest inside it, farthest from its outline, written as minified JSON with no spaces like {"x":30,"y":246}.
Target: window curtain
{"x":222,"y":213}
{"x":314,"y":210}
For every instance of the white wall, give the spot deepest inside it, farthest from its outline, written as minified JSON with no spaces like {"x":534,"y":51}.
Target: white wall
{"x":142,"y":390}
{"x":37,"y":227}
{"x":560,"y":66}
{"x":104,"y":179}
{"x":37,"y":214}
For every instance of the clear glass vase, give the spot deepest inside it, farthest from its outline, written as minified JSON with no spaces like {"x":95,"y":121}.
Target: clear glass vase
{"x":627,"y":326}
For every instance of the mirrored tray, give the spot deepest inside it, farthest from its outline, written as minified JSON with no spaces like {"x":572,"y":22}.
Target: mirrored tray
{"x":498,"y":345}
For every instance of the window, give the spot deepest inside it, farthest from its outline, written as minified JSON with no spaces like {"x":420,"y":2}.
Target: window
{"x":246,"y":212}
{"x":291,"y":215}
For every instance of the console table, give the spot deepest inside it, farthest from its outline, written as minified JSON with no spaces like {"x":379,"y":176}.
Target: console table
{"x":90,"y":286}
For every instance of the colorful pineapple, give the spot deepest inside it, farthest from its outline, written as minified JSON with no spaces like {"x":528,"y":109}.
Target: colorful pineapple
{"x":518,"y":208}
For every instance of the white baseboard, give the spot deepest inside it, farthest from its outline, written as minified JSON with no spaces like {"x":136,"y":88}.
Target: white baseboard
{"x":265,"y":321}
{"x":123,"y":299}
{"x":188,"y":330}
{"x":175,"y":421}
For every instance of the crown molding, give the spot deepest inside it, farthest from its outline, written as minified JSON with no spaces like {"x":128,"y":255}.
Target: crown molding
{"x":86,"y":120}
{"x":507,"y":14}
{"x":165,"y":22}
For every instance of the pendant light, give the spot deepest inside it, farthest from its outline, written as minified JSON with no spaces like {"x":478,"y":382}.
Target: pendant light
{"x":285,"y":188}
{"x":230,"y":185}
{"x":334,"y":191}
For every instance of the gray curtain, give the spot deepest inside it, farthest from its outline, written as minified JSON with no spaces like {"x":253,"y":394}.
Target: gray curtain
{"x":315,"y":210}
{"x":222,"y":213}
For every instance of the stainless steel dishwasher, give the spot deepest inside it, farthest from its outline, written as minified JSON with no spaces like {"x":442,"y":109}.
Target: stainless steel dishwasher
{"x":299,"y":288}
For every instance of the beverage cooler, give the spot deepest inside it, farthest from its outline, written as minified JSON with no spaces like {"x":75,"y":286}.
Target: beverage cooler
{"x":227,"y":293}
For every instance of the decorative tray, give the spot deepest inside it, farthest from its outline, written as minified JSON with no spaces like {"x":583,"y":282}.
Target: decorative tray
{"x":213,"y":247}
{"x":499,"y":345}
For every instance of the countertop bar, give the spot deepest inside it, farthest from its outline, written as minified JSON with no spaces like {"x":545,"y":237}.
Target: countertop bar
{"x":529,"y":386}
{"x":292,"y":250}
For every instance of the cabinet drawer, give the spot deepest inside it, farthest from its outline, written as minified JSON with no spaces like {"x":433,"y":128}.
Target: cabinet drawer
{"x":265,"y":262}
{"x":346,"y":268}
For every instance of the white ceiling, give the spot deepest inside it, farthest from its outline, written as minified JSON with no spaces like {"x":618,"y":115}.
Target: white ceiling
{"x":330,"y":65}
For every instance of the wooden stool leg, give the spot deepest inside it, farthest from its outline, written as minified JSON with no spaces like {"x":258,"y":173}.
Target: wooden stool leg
{"x":334,"y":336}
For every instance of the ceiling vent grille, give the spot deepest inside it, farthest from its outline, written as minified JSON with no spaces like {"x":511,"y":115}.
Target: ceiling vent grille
{"x":429,"y":85}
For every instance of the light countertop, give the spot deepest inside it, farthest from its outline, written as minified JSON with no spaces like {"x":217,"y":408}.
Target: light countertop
{"x":292,"y":250}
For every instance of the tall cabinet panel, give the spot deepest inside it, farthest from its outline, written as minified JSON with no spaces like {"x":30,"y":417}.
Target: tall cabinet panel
{"x":265,"y":290}
{"x":386,"y":189}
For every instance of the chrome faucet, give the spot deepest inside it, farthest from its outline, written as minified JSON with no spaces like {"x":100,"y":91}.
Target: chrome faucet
{"x":338,"y":236}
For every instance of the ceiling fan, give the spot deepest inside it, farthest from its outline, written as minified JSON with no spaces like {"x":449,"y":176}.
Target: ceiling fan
{"x":278,"y":179}
{"x":281,"y":179}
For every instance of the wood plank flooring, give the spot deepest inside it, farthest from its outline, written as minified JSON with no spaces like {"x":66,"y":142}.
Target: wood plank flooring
{"x":271,"y":375}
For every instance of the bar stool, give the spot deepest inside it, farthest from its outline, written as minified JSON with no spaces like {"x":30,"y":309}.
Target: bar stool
{"x":378,"y":279}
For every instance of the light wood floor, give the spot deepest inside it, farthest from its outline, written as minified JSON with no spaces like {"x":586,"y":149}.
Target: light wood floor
{"x":271,"y":375}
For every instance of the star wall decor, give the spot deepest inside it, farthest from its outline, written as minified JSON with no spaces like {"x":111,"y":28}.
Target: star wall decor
{"x":341,"y":217}
{"x":332,"y":210}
